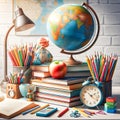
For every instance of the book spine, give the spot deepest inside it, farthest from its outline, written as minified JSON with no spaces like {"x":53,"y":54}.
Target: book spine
{"x":70,"y":87}
{"x":67,"y":104}
{"x":59,"y":92}
{"x":57,"y":97}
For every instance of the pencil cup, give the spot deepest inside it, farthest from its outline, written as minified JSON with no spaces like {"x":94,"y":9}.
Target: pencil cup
{"x":25,"y":73}
{"x":12,"y":91}
{"x":18,"y":69}
{"x":106,"y":89}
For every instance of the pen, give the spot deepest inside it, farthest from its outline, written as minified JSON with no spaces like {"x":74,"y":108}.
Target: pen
{"x":30,"y":110}
{"x":63,"y":112}
{"x":38,"y":109}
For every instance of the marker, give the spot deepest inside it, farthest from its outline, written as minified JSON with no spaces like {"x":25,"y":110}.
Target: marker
{"x":38,"y":109}
{"x":30,"y":110}
{"x":63,"y":112}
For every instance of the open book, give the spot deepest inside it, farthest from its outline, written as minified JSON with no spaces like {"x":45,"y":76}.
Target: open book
{"x":10,"y":108}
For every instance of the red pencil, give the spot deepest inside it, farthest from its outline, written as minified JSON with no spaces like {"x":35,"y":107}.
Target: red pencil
{"x":63,"y":112}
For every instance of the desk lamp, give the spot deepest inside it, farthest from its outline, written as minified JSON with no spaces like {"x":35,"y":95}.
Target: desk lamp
{"x":21,"y":23}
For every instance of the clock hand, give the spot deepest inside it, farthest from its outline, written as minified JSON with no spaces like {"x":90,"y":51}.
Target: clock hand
{"x":92,"y":96}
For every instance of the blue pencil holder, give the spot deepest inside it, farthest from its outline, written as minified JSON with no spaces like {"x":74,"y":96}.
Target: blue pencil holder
{"x":106,"y":90}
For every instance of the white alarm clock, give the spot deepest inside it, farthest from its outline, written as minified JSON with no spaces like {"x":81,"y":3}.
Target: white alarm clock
{"x":90,"y":94}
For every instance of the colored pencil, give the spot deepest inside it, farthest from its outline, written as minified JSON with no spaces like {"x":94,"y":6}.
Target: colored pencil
{"x":15,"y":49}
{"x":63,"y":112}
{"x":38,"y":109}
{"x":12,"y":59}
{"x":89,"y":66}
{"x":95,"y":70}
{"x":113,"y":67}
{"x":102,"y":66}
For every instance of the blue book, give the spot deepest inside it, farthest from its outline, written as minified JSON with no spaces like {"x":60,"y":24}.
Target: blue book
{"x":58,"y":92}
{"x":63,"y":81}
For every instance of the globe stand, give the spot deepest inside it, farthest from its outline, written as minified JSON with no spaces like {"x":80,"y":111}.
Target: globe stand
{"x":72,"y":61}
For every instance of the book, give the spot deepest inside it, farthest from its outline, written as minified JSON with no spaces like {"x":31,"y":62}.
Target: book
{"x":43,"y":67}
{"x":78,"y":74}
{"x":57,"y":102}
{"x":59,"y":92}
{"x":57,"y":97}
{"x":10,"y":108}
{"x":63,"y":81}
{"x":40,"y":74}
{"x":79,"y":67}
{"x":65,"y":87}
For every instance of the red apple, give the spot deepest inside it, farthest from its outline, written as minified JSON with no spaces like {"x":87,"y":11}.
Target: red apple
{"x":58,"y":69}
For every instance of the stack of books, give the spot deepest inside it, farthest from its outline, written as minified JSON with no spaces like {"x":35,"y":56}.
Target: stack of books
{"x":65,"y":91}
{"x":40,"y":71}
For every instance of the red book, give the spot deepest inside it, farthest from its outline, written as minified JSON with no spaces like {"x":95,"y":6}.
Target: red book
{"x":57,"y":97}
{"x":40,"y":74}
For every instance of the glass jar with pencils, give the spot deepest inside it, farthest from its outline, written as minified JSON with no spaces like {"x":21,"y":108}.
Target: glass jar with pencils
{"x":24,"y":74}
{"x":102,"y":68}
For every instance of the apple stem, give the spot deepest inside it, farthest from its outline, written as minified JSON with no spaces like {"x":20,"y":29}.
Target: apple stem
{"x":57,"y":62}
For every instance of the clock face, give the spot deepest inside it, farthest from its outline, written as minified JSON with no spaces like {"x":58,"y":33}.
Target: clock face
{"x":90,"y":96}
{"x":11,"y":93}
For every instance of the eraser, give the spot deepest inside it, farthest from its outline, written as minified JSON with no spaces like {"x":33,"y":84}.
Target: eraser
{"x":110,"y":110}
{"x":111,"y":99}
{"x":110,"y":106}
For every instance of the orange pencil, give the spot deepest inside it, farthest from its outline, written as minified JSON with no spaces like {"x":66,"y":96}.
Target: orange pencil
{"x":102,"y":64}
{"x":12,"y":59}
{"x":13,"y":55}
{"x":16,"y":55}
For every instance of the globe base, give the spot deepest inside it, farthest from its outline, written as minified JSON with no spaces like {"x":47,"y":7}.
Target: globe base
{"x":72,"y":61}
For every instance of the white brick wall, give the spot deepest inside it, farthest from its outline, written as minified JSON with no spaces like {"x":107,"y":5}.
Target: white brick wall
{"x":108,"y":41}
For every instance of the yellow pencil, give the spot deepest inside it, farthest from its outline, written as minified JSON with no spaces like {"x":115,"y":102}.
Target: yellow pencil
{"x":36,"y":110}
{"x":102,"y":64}
{"x":81,"y":112}
{"x":88,"y":62}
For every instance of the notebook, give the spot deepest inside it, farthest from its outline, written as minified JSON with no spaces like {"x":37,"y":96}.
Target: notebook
{"x":10,"y":108}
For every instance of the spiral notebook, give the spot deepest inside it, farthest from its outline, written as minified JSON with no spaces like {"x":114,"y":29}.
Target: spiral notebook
{"x":10,"y":108}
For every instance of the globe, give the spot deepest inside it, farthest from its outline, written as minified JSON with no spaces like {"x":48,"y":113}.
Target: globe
{"x":72,"y":28}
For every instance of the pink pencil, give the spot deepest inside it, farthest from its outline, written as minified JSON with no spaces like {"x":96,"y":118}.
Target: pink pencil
{"x":103,"y":72}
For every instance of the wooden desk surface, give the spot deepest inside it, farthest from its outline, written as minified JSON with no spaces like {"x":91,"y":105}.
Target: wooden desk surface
{"x":116,"y":92}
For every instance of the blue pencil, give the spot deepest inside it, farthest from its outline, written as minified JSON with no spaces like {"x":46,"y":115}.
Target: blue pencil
{"x":113,"y":67}
{"x":30,"y":110}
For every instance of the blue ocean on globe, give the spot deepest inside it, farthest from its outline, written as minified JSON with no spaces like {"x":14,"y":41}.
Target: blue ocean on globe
{"x":70,"y":27}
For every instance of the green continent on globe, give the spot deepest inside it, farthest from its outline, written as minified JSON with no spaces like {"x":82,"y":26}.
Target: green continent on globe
{"x":70,"y":27}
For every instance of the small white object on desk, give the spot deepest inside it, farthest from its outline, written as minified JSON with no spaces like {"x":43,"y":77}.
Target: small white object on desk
{"x":1,"y":97}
